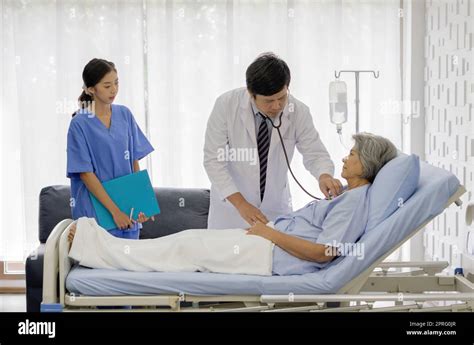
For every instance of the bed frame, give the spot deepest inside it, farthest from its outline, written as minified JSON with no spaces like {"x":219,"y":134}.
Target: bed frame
{"x":420,"y":289}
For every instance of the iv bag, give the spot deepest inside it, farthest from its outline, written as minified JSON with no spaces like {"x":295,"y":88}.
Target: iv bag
{"x":338,"y":102}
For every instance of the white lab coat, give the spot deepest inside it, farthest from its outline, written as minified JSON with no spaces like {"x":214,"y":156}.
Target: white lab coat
{"x":232,"y":124}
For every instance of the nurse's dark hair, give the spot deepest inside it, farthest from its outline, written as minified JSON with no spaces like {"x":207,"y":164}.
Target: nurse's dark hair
{"x":93,"y":72}
{"x":267,"y":75}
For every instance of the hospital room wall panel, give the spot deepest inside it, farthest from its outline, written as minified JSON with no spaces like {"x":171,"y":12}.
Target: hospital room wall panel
{"x":449,"y":130}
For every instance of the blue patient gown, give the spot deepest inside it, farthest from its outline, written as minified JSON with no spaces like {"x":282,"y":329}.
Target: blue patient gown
{"x":338,"y":221}
{"x":107,"y":152}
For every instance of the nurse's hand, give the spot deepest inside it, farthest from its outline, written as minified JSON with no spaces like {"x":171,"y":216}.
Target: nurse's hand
{"x":251,"y":214}
{"x":330,"y":186}
{"x":122,"y":221}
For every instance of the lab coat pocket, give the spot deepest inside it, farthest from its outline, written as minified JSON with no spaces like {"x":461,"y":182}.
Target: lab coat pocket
{"x":289,"y":142}
{"x":289,"y":146}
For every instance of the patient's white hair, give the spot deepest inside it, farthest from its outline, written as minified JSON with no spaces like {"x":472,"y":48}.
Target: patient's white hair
{"x":374,"y":152}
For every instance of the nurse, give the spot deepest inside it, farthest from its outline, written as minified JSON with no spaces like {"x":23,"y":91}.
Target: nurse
{"x":103,"y":142}
{"x":243,"y":156}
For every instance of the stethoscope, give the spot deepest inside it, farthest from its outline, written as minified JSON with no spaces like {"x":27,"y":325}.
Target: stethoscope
{"x":284,"y":149}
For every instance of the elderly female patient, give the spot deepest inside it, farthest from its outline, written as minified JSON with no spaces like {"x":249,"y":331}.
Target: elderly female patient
{"x":297,"y":243}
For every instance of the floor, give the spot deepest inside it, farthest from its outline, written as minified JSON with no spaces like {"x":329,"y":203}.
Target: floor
{"x":12,"y":303}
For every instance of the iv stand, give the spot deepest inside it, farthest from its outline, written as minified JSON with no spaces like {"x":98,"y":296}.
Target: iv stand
{"x":357,"y":101}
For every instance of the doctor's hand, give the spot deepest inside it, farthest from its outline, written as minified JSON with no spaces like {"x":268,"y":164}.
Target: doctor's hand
{"x":330,"y":186}
{"x":251,"y":214}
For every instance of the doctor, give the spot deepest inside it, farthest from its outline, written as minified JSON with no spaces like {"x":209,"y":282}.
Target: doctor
{"x":243,"y":156}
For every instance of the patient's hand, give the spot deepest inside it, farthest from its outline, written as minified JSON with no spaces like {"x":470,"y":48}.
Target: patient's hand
{"x":261,"y":230}
{"x":142,"y":218}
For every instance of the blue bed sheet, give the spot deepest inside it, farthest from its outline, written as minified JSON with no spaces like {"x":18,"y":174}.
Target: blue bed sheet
{"x":436,"y":186}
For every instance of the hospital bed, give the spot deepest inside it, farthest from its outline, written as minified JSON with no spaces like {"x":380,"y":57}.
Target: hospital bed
{"x":346,"y":284}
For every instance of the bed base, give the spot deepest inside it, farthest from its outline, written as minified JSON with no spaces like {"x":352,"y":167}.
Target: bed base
{"x":422,"y":288}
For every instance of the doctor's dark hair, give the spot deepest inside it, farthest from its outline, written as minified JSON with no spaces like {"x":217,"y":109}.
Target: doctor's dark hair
{"x":374,"y":152}
{"x":92,"y":74}
{"x":267,"y":75}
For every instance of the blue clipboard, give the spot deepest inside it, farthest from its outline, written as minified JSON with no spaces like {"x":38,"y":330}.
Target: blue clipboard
{"x":127,"y":192}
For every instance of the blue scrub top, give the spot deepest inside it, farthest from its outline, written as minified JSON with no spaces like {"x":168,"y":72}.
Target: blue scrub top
{"x":341,"y":220}
{"x":107,"y":152}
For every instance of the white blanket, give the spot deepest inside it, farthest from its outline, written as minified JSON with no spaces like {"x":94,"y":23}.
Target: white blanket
{"x":220,"y":251}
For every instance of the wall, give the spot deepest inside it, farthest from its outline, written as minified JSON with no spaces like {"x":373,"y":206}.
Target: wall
{"x":449,"y":121}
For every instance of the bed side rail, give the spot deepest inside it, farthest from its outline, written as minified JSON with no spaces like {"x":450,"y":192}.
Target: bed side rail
{"x":51,"y":267}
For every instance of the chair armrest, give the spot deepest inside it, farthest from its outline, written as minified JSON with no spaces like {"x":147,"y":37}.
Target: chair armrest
{"x":34,"y":267}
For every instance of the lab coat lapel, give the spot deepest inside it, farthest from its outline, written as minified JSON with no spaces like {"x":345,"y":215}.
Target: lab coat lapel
{"x":246,"y":114}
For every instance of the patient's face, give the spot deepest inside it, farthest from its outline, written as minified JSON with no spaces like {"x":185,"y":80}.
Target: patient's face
{"x":352,"y":167}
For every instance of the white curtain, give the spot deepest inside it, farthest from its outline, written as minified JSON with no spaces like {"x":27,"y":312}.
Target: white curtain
{"x":173,"y":59}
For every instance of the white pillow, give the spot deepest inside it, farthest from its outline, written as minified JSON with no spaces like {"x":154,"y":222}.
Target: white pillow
{"x":394,"y":185}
